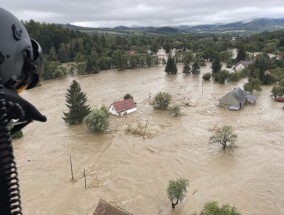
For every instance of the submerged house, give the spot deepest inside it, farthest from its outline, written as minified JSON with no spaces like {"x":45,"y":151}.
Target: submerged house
{"x":105,"y":208}
{"x":243,"y":64}
{"x":236,"y":99}
{"x":123,"y":107}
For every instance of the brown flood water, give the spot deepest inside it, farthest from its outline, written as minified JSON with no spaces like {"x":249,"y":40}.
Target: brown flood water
{"x":133,"y":172}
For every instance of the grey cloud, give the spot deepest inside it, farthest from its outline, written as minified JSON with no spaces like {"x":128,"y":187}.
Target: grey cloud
{"x":144,"y":12}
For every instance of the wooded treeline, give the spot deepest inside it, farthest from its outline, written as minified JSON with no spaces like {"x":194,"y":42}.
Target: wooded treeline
{"x":92,"y":53}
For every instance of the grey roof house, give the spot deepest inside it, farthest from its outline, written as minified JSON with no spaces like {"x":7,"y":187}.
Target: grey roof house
{"x":105,"y":208}
{"x":236,"y":99}
{"x":243,"y":64}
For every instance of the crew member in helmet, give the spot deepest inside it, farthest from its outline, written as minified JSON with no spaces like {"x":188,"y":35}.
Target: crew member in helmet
{"x":20,"y":66}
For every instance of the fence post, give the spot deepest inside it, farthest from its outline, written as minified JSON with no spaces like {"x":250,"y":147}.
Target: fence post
{"x":71,"y":168}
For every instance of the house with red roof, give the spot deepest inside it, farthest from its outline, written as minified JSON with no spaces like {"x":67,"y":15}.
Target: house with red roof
{"x":123,"y":107}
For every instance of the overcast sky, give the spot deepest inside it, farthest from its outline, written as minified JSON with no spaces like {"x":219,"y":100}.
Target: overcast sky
{"x":111,"y":13}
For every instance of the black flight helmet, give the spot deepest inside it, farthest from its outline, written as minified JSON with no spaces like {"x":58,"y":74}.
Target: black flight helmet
{"x":20,"y":56}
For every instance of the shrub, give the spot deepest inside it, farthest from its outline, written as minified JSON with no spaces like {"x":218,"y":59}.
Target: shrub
{"x":162,"y":100}
{"x":97,"y":120}
{"x":127,"y":96}
{"x":206,"y":76}
{"x":17,"y":135}
{"x":175,"y":111}
{"x":235,"y":77}
{"x":212,"y":208}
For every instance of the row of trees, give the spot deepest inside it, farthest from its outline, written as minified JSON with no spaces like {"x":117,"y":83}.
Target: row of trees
{"x":104,"y":51}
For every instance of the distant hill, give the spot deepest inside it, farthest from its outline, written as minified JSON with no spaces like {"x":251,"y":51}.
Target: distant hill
{"x":254,"y":26}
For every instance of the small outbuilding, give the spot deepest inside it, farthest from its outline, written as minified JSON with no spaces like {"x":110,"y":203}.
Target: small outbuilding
{"x":236,"y":99}
{"x":123,"y":107}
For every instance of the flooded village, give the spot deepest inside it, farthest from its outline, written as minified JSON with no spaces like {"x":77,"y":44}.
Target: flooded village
{"x":132,"y":171}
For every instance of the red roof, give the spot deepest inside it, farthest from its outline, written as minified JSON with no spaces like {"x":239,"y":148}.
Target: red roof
{"x":124,"y":105}
{"x":279,"y":99}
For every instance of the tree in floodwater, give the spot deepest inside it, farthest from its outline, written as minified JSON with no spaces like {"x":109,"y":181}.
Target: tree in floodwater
{"x":186,"y":69}
{"x":76,"y":102}
{"x":127,"y":96}
{"x":225,"y":136}
{"x":98,"y":120}
{"x":253,"y":84}
{"x":212,"y":208}
{"x":241,"y":54}
{"x":177,"y":190}
{"x":216,"y":66}
{"x":162,"y":100}
{"x":171,"y":67}
{"x":195,"y":68}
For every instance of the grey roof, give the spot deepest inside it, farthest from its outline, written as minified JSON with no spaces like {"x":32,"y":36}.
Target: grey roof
{"x":239,"y":94}
{"x":247,"y":62}
{"x":251,"y":98}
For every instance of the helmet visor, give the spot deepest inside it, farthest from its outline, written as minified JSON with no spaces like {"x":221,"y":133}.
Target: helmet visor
{"x":32,"y":67}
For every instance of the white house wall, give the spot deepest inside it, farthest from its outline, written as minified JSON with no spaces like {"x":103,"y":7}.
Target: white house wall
{"x":239,"y":67}
{"x":131,"y":110}
{"x":112,"y":110}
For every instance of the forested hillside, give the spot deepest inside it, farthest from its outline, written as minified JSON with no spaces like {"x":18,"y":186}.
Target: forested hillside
{"x":91,"y":53}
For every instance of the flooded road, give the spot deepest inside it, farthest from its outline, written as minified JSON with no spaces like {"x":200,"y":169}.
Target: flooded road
{"x":132,"y":172}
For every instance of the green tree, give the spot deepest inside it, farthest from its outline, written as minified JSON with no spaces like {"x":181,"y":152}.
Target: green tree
{"x":187,"y":57}
{"x":195,"y":68}
{"x":127,"y":96}
{"x":119,"y":59}
{"x":281,"y":42}
{"x":206,"y":76}
{"x":277,"y":91}
{"x":262,"y":63}
{"x":149,"y":60}
{"x":241,"y":54}
{"x":76,"y":102}
{"x":253,"y":84}
{"x":186,"y":69}
{"x":98,"y":120}
{"x":162,"y":100}
{"x":167,"y":48}
{"x":222,"y":76}
{"x":212,"y":208}
{"x":176,"y":190}
{"x":216,"y":66}
{"x":225,"y":136}
{"x":154,"y":46}
{"x":171,"y":67}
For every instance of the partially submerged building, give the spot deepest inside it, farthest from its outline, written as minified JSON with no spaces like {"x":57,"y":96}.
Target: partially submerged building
{"x":123,"y":107}
{"x":243,"y":64}
{"x":105,"y":208}
{"x":236,"y":99}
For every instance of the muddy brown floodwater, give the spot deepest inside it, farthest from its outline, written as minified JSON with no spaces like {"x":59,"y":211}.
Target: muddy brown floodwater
{"x":132,"y":172}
